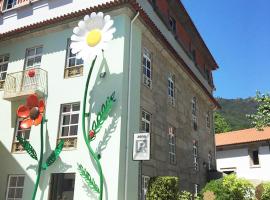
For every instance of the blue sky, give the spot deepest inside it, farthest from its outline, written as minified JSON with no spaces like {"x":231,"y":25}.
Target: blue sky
{"x":237,"y":32}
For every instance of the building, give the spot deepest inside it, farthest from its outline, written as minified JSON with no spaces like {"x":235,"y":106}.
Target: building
{"x":245,"y":153}
{"x":161,"y":72}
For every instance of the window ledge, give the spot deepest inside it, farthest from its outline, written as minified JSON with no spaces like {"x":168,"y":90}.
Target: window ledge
{"x":255,"y":166}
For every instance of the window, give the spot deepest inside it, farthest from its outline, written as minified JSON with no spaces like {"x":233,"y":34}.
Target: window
{"x":15,"y":187}
{"x":209,"y":160}
{"x":194,"y":113}
{"x":172,"y":24}
{"x":254,"y":157}
{"x":62,"y":186}
{"x":208,"y":119}
{"x":74,"y":65}
{"x":172,"y":142}
{"x":24,"y":133}
{"x":171,"y":90}
{"x":145,"y":181}
{"x":10,"y":4}
{"x":195,"y":155}
{"x":69,"y":119}
{"x":147,"y":68}
{"x":33,"y":57}
{"x":196,"y":190}
{"x":146,"y":122}
{"x":3,"y":69}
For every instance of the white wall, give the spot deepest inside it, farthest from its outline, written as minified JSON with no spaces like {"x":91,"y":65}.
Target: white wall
{"x":239,"y":159}
{"x":42,"y":10}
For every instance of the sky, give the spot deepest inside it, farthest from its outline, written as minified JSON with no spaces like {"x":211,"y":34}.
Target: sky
{"x":237,"y":32}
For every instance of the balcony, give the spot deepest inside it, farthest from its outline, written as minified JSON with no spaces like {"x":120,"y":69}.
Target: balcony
{"x":21,"y":84}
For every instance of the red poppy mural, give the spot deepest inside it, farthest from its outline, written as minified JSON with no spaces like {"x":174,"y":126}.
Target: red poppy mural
{"x":32,"y":112}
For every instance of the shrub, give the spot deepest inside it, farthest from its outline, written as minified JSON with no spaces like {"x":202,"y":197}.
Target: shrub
{"x":162,"y":188}
{"x":184,"y":195}
{"x":263,"y":191}
{"x":230,"y":187}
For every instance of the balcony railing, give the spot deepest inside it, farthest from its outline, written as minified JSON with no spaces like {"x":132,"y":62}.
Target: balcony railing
{"x":9,"y":4}
{"x":24,"y":83}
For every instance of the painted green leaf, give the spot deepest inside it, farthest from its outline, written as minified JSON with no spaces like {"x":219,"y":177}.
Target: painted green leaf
{"x":87,"y":178}
{"x":54,"y":155}
{"x":27,"y":147}
{"x":103,"y":113}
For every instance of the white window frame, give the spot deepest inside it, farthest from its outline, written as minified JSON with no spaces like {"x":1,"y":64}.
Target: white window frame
{"x":78,"y":62}
{"x":171,"y":89}
{"x":208,"y":122}
{"x":172,"y":145}
{"x":196,"y":189}
{"x":209,"y":158}
{"x":195,"y":156}
{"x":4,"y":60}
{"x":13,"y":4}
{"x":14,"y":187}
{"x":147,"y":58}
{"x":145,"y":182}
{"x":194,"y":110}
{"x":145,"y":121}
{"x":70,"y":113}
{"x":36,"y":55}
{"x":172,"y":23}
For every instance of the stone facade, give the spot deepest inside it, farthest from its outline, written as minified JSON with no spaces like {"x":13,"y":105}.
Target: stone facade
{"x":154,"y":100}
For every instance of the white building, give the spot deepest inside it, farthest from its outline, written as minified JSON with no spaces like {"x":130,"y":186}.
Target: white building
{"x":161,"y":72}
{"x":245,"y":153}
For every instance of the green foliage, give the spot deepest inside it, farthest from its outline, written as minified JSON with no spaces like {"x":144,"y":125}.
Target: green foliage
{"x":261,"y":118}
{"x":230,"y":187}
{"x":234,"y":111}
{"x":221,"y":125}
{"x":103,"y":114}
{"x":54,"y":155}
{"x":184,"y":195}
{"x":87,"y":178}
{"x":27,"y":147}
{"x":162,"y":188}
{"x":263,"y":191}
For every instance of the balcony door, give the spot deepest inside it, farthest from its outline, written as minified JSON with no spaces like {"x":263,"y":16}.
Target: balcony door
{"x":31,"y":74}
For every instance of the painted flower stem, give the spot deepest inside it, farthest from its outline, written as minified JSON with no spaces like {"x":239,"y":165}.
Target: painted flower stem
{"x":40,"y":160}
{"x":85,"y":132}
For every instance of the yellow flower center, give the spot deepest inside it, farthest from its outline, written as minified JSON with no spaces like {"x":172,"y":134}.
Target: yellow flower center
{"x":93,"y":37}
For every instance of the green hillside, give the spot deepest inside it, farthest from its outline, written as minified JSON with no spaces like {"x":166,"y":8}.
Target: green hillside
{"x":235,"y":110}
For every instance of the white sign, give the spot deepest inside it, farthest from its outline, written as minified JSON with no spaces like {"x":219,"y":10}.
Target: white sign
{"x":141,"y":146}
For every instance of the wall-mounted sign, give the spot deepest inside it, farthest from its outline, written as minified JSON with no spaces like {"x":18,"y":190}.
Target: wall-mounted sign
{"x":141,"y":146}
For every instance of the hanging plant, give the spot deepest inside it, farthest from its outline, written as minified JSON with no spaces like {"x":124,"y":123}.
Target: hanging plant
{"x":31,"y":73}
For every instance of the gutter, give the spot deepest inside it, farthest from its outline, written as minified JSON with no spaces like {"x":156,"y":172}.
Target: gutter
{"x":128,"y":100}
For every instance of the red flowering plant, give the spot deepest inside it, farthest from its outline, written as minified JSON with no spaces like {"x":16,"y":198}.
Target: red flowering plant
{"x":32,"y":112}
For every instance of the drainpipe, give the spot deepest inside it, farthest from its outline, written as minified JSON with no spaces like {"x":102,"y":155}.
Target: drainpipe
{"x":128,"y":100}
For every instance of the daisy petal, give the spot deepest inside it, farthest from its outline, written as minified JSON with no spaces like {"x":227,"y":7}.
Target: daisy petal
{"x":78,"y":31}
{"x":38,"y":120}
{"x":100,"y":14}
{"x":82,"y":25}
{"x":32,"y":101}
{"x":107,"y":18}
{"x":23,"y":111}
{"x":86,"y":17}
{"x":41,"y":106}
{"x":107,"y":25}
{"x":76,"y":38}
{"x":93,"y":14}
{"x":27,"y":123}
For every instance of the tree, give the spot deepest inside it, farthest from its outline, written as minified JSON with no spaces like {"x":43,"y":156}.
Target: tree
{"x":261,"y":118}
{"x":221,"y":125}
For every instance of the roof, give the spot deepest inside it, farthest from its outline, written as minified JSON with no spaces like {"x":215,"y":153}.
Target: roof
{"x":133,"y":5}
{"x":242,"y":137}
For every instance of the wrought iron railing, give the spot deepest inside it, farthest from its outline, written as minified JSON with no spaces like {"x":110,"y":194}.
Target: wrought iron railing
{"x":25,"y":82}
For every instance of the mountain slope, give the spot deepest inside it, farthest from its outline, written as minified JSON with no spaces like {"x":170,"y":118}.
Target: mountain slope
{"x":235,"y":110}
